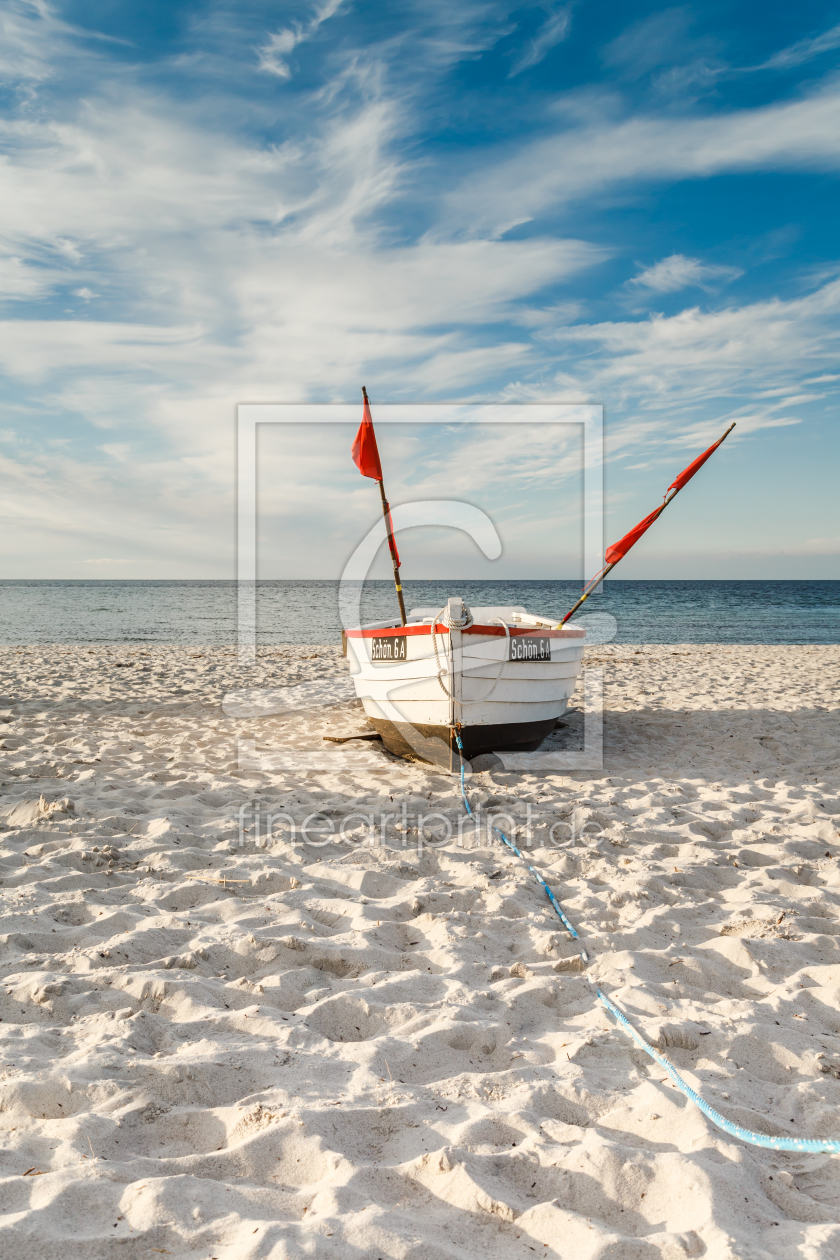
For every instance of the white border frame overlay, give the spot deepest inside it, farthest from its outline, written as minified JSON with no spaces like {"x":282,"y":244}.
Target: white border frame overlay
{"x":590,"y":416}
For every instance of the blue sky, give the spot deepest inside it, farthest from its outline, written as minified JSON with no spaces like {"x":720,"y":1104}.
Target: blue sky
{"x":628,"y":204}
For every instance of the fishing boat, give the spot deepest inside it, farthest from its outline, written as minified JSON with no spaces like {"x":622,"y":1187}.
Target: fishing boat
{"x":498,"y":676}
{"x":492,"y":679}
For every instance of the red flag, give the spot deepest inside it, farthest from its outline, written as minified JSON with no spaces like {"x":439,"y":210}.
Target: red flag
{"x":620,"y":549}
{"x":366,"y":458}
{"x":689,"y":472}
{"x":364,"y":449}
{"x":392,"y":542}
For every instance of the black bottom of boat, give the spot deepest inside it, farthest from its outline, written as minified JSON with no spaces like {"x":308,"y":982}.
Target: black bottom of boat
{"x":432,"y":743}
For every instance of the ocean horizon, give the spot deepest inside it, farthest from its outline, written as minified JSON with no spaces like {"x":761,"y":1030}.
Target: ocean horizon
{"x":204,"y":611}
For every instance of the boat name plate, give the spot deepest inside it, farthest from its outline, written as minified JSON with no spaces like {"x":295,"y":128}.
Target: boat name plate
{"x":529,"y":647}
{"x":390,"y":648}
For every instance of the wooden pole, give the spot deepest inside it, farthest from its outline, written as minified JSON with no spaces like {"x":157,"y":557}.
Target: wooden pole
{"x":386,"y":512}
{"x":586,"y":594}
{"x":596,"y":582}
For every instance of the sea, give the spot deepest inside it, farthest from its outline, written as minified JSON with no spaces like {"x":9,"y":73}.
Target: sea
{"x":205,"y":612}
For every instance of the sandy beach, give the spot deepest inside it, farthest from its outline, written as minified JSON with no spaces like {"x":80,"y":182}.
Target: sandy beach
{"x":230,"y":1034}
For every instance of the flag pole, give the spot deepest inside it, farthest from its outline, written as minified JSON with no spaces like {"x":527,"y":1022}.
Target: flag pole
{"x":386,"y":512}
{"x":599,"y":577}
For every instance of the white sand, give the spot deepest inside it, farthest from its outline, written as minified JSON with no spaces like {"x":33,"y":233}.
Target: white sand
{"x":370,"y":1052}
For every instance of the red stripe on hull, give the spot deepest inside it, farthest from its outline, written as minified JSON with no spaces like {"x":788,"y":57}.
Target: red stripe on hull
{"x":385,"y":632}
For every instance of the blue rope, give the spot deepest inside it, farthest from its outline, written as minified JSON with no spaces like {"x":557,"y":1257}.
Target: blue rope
{"x":811,"y":1145}
{"x":558,"y":908}
{"x":815,"y":1146}
{"x":555,"y":903}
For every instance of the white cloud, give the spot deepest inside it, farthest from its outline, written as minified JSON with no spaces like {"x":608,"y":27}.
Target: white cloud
{"x":35,"y":43}
{"x":693,"y":357}
{"x":238,"y":269}
{"x":273,"y":55}
{"x":654,"y":40}
{"x":552,"y":32}
{"x":244,"y":273}
{"x":673,"y":384}
{"x":677,"y":272}
{"x":602,"y":152}
{"x":28,"y":32}
{"x":20,"y":280}
{"x":117,"y":450}
{"x":803,"y":50}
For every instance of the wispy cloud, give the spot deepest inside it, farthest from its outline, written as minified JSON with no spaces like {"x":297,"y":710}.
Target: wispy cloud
{"x":662,"y":48}
{"x":684,"y":362}
{"x":677,"y":272}
{"x":552,"y":32}
{"x":804,"y":50}
{"x":602,"y":152}
{"x":20,"y":279}
{"x":273,"y":55}
{"x":650,"y":42}
{"x":28,"y":36}
{"x":166,"y":252}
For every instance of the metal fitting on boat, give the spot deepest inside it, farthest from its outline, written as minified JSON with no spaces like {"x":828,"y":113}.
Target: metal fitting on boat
{"x":457,"y":614}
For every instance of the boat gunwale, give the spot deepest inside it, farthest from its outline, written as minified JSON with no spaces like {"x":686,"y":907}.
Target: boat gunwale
{"x":540,"y":632}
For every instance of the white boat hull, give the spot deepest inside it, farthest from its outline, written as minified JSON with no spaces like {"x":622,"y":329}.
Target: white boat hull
{"x":447,"y":678}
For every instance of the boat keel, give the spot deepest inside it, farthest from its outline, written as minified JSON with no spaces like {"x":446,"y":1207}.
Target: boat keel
{"x":435,"y":743}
